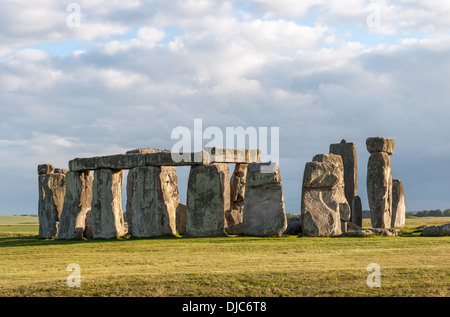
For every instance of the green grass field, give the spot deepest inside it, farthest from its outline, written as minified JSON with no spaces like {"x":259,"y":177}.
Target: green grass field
{"x":411,"y":265}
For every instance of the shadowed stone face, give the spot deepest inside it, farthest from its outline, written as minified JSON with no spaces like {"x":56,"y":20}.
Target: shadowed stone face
{"x":52,"y":189}
{"x":153,"y":201}
{"x":264,"y":210}
{"x":207,"y":200}
{"x":379,"y":189}
{"x":348,"y":153}
{"x":234,"y":216}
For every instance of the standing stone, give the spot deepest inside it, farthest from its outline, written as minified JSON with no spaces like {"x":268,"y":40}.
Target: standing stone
{"x":153,"y":202}
{"x":207,"y":200}
{"x":264,"y":210}
{"x":357,"y":211}
{"x":106,"y":209}
{"x":77,"y":203}
{"x":398,"y":204}
{"x":324,"y":207}
{"x":348,"y":153}
{"x":88,"y":226}
{"x":379,"y":181}
{"x":181,"y":218}
{"x":234,"y":216}
{"x":51,"y":199}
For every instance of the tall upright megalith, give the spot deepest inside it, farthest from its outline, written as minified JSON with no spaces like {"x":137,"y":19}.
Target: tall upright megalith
{"x":234,"y":216}
{"x":398,"y":204}
{"x":106,"y":208}
{"x":324,"y":207}
{"x":77,"y":204}
{"x":52,"y":188}
{"x":347,"y":150}
{"x":379,"y":180}
{"x":152,"y":202}
{"x":264,"y":210}
{"x":208,"y":198}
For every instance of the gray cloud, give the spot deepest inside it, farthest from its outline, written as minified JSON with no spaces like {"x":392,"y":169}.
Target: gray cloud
{"x":228,"y":68}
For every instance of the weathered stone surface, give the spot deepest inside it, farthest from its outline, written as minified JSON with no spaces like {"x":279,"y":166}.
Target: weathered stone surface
{"x":376,"y":231}
{"x":145,"y":150}
{"x":60,"y":170}
{"x":88,"y":226}
{"x":45,"y":169}
{"x":356,"y":211}
{"x":264,"y":210}
{"x":379,"y":189}
{"x":323,"y":203}
{"x":234,"y":216}
{"x":437,"y":231}
{"x":398,"y":204}
{"x":206,"y":201}
{"x":52,"y":189}
{"x":181,"y":218}
{"x":106,"y":209}
{"x":128,"y":161}
{"x":380,"y":144}
{"x":233,"y":155}
{"x":77,"y":203}
{"x":153,"y":202}
{"x":294,"y":226}
{"x":348,"y":153}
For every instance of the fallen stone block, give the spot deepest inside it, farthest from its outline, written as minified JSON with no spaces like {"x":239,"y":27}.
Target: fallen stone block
{"x":436,"y":231}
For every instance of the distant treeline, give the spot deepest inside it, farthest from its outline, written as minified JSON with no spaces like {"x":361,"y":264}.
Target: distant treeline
{"x":31,"y":215}
{"x":430,"y":213}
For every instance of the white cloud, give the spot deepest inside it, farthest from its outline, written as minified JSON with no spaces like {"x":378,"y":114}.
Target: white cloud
{"x":262,"y":68}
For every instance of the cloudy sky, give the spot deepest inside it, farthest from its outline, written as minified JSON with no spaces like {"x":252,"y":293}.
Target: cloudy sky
{"x":123,"y":74}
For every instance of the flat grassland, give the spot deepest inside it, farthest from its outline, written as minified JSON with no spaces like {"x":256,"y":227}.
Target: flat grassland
{"x":290,"y":266}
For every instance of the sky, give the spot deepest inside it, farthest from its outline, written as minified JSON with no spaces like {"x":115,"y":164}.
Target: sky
{"x":101,"y":77}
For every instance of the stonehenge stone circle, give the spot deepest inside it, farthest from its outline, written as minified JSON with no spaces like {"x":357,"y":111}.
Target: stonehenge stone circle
{"x":398,"y":204}
{"x":324,"y":208}
{"x":264,"y":209}
{"x":106,"y":210}
{"x":77,"y":204}
{"x":207,"y":200}
{"x":51,"y":199}
{"x":349,"y":158}
{"x":379,"y":180}
{"x":152,"y":199}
